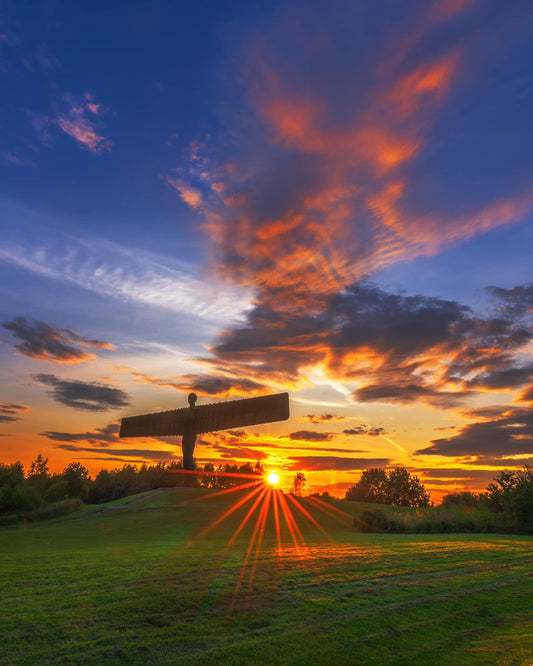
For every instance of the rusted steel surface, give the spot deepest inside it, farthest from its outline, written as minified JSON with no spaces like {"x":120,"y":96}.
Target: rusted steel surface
{"x":208,"y":418}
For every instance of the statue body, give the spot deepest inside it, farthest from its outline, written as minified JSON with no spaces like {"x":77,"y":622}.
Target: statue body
{"x":191,"y":421}
{"x":188,"y":439}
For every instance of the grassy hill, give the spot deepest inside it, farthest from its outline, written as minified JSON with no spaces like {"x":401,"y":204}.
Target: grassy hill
{"x":145,"y":581}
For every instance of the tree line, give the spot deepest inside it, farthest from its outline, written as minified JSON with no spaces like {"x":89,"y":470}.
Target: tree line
{"x":23,"y":493}
{"x":505,"y":506}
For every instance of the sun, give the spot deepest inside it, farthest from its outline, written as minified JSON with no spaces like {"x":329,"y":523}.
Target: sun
{"x":273,"y":478}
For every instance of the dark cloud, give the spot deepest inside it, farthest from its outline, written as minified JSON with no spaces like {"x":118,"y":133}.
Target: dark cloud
{"x":324,"y":418}
{"x":205,"y":385}
{"x":310,"y":436}
{"x":506,"y":378}
{"x":526,"y":395}
{"x":9,"y":411}
{"x":45,"y":342}
{"x":144,"y":454}
{"x":512,"y":434}
{"x":503,"y":463}
{"x":362,"y":429}
{"x":241,"y":453}
{"x":407,"y":393}
{"x":489,"y":413}
{"x":99,"y":436}
{"x":474,"y":477}
{"x":422,"y":349}
{"x":515,"y":302}
{"x":220,"y":386}
{"x":451,"y":473}
{"x":89,"y":396}
{"x":335,"y":463}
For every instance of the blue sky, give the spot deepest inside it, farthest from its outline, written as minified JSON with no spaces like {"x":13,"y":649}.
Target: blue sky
{"x":334,"y":199}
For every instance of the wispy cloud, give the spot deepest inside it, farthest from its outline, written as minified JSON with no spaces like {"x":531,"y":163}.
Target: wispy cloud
{"x":99,"y":436}
{"x":189,"y":194}
{"x":334,"y":463}
{"x":10,"y":411}
{"x":77,"y":121}
{"x":104,"y":444}
{"x":45,"y":342}
{"x":87,"y":396}
{"x":127,"y":275}
{"x":120,"y":455}
{"x":222,"y":386}
{"x":324,"y":418}
{"x":14,"y":158}
{"x":332,"y":191}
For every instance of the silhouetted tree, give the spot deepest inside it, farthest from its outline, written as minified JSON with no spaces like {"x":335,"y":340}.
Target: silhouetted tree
{"x":11,"y":481}
{"x":77,"y":479}
{"x":299,"y":483}
{"x":101,"y":489}
{"x":39,"y":475}
{"x":371,"y":487}
{"x":512,"y":496}
{"x":405,"y":489}
{"x":397,"y":487}
{"x":462,"y":498}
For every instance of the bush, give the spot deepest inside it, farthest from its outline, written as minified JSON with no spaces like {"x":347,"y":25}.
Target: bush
{"x":372,"y":521}
{"x":58,"y":490}
{"x":54,"y":510}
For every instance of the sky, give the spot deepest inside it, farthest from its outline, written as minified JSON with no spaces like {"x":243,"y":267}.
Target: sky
{"x":333,"y":199}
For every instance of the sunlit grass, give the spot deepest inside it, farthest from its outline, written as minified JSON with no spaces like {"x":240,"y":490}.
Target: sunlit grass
{"x":155,"y":581}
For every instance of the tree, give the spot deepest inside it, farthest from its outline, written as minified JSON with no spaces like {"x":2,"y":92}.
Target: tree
{"x":397,"y":487}
{"x":512,"y":497}
{"x":101,"y":489}
{"x":371,"y":487}
{"x":39,"y":467}
{"x":405,"y":489}
{"x":77,"y":479}
{"x":299,"y":483}
{"x":11,"y":481}
{"x":39,"y":475}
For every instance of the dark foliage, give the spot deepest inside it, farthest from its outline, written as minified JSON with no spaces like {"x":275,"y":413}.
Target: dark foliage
{"x":464,"y":499}
{"x":396,"y":486}
{"x":511,"y":496}
{"x":34,"y":496}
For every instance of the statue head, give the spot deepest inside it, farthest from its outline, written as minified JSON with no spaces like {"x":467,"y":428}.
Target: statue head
{"x":192,"y":399}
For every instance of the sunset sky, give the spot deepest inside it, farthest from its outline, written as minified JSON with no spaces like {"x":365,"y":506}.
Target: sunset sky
{"x":333,"y":199}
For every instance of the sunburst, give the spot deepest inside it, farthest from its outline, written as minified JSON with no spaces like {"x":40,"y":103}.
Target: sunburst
{"x":263,"y":499}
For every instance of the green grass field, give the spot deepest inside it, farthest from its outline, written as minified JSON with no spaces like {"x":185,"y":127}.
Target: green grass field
{"x":139,"y":583}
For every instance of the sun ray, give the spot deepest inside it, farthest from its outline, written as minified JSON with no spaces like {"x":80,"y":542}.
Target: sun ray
{"x":263,"y":518}
{"x":230,"y":511}
{"x":332,"y":511}
{"x":291,"y":522}
{"x":309,"y":517}
{"x":255,"y":533}
{"x":246,"y":518}
{"x":276,"y":520}
{"x":233,"y":489}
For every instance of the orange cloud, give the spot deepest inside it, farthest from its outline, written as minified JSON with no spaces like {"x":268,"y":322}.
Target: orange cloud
{"x":76,"y":124}
{"x":189,"y":194}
